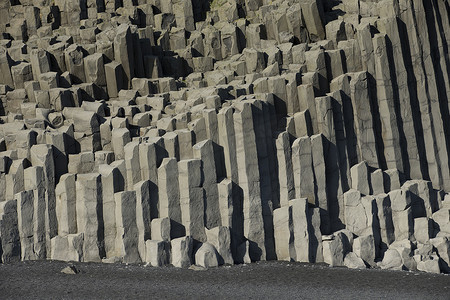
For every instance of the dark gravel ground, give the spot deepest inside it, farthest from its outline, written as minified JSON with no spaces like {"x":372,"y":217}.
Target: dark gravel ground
{"x":264,"y":280}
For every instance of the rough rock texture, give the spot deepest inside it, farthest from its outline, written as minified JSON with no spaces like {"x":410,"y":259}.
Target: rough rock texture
{"x":298,"y":130}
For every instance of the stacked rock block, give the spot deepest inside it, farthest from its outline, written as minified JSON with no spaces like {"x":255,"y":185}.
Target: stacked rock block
{"x":180,"y":132}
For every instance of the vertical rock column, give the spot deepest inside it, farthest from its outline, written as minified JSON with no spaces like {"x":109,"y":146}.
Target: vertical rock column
{"x":319,"y":152}
{"x":386,"y":102}
{"x":312,"y":13}
{"x":228,"y":141}
{"x":114,"y":74}
{"x":75,"y":64}
{"x":42,"y":155}
{"x":307,"y":245}
{"x":169,"y":195}
{"x":412,"y":93}
{"x":266,"y":149}
{"x":249,"y":180}
{"x":132,"y":164}
{"x":385,"y":220}
{"x":184,"y":14}
{"x":302,"y":165}
{"x":326,"y":107}
{"x":360,"y":97}
{"x":283,"y":232}
{"x":66,"y":204}
{"x":5,"y":67}
{"x":120,"y":138}
{"x":40,"y":62}
{"x":90,"y":215}
{"x":127,"y":231}
{"x":185,"y":138}
{"x":205,"y":151}
{"x":151,"y":155}
{"x":9,"y":231}
{"x":143,"y":214}
{"x":112,"y":182}
{"x":230,"y":204}
{"x":94,"y":69}
{"x":285,"y":169}
{"x":123,"y":53}
{"x":192,"y":198}
{"x":402,"y":217}
{"x":171,"y":144}
{"x":35,"y":180}
{"x":15,"y":178}
{"x":25,"y":216}
{"x":299,"y":213}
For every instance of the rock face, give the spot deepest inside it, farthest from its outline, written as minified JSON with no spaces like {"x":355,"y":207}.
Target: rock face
{"x":227,"y":131}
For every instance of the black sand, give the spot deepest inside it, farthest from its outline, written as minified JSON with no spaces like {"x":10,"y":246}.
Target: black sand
{"x":264,"y":280}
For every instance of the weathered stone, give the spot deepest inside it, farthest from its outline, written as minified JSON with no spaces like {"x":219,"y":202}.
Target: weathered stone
{"x":364,"y":247}
{"x":114,"y":78}
{"x":192,"y":198}
{"x":157,"y":253}
{"x":74,"y":63}
{"x":430,"y":265}
{"x":89,"y":206}
{"x":143,"y":214}
{"x":123,"y":53}
{"x":161,"y":229}
{"x":120,"y":138}
{"x":112,"y":182}
{"x":423,"y":230}
{"x":360,"y":213}
{"x":361,"y":178}
{"x":312,"y":12}
{"x":404,"y":248}
{"x":181,"y":255}
{"x":303,"y":169}
{"x":6,"y":63}
{"x":205,"y":151}
{"x":42,"y":155}
{"x":206,"y":256}
{"x":169,"y":195}
{"x":40,"y":62}
{"x":171,"y":144}
{"x":67,"y":248}
{"x":335,"y":247}
{"x":254,"y":60}
{"x":66,"y":205}
{"x":283,"y":232}
{"x":15,"y":178}
{"x":132,"y":163}
{"x":442,"y":244}
{"x":385,"y":219}
{"x":21,"y":73}
{"x":94,"y":69}
{"x":352,"y":261}
{"x":249,"y":180}
{"x":392,"y":260}
{"x":285,"y":169}
{"x":25,"y":219}
{"x":127,"y":231}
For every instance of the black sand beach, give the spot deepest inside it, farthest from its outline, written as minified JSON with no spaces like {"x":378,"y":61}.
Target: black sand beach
{"x":263,"y":280}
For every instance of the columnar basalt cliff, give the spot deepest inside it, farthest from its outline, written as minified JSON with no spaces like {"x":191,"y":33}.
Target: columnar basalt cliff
{"x":194,"y":132}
